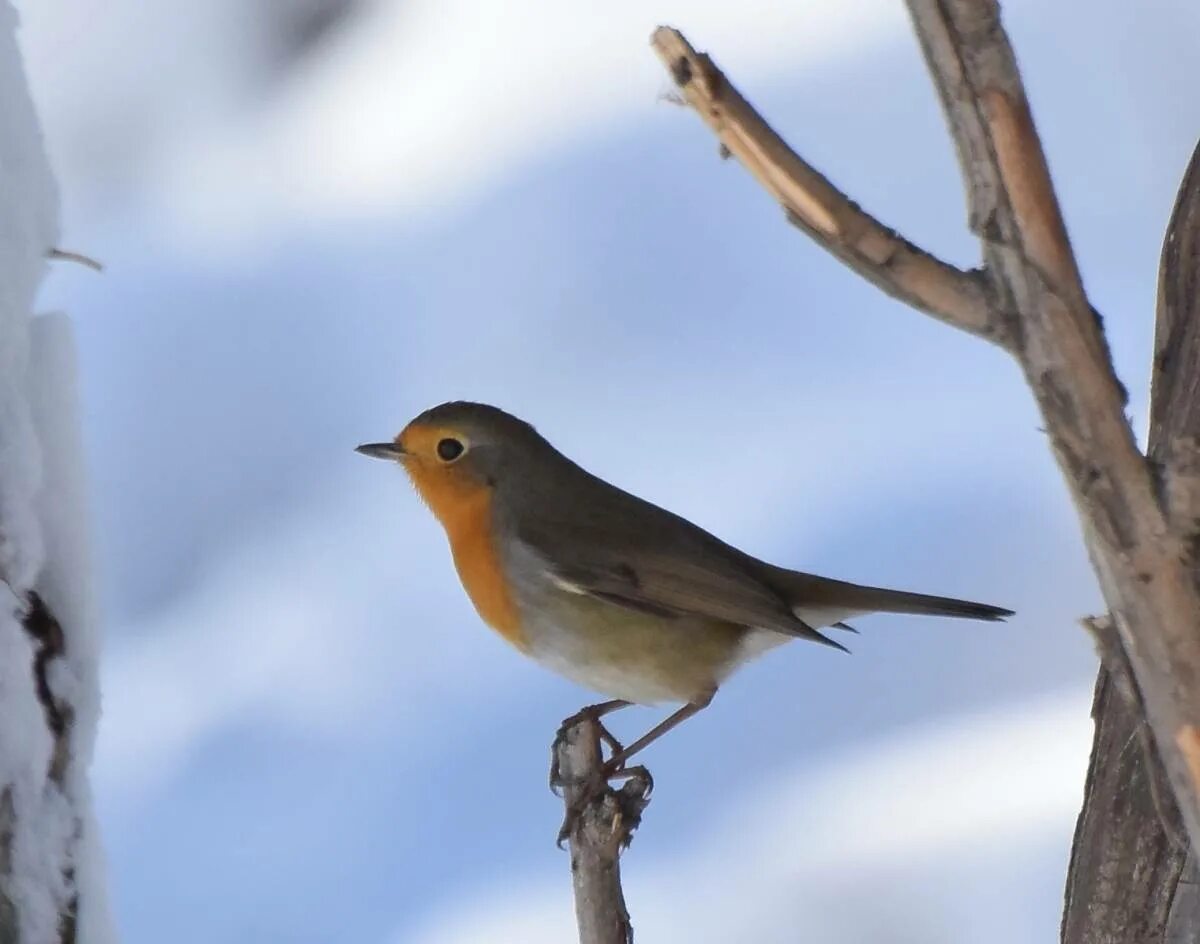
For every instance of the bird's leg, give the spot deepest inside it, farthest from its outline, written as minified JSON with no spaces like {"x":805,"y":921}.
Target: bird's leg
{"x":589,"y":713}
{"x":617,"y":761}
{"x":640,"y":781}
{"x":595,"y":713}
{"x":631,"y":800}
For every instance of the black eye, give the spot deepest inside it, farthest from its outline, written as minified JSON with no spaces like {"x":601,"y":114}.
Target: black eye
{"x":449,"y":449}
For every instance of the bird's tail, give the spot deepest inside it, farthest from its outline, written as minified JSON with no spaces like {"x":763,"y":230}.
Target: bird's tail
{"x":810,"y":593}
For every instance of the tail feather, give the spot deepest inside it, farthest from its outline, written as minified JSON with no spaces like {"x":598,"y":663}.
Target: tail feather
{"x":808,"y":591}
{"x":900,"y":601}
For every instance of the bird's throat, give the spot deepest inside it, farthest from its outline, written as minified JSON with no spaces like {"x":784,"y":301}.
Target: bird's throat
{"x":465,"y":512}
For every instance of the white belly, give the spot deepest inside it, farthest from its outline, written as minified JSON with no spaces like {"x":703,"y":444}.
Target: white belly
{"x":626,"y":653}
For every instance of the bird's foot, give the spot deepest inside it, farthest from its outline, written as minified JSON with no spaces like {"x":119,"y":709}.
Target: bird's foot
{"x":585,"y":779}
{"x":592,"y":713}
{"x":617,"y":812}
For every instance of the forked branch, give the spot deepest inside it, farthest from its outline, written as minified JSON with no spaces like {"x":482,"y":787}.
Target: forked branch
{"x":1029,"y":298}
{"x":873,"y":250}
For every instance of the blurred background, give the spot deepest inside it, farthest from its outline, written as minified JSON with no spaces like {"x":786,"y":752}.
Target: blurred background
{"x":320,"y":217}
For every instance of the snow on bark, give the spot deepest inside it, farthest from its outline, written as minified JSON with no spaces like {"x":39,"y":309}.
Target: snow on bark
{"x":51,"y":873}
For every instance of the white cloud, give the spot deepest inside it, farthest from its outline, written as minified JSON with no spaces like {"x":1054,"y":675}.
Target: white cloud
{"x":431,"y":100}
{"x":414,"y":105}
{"x":923,"y":810}
{"x":285,"y":628}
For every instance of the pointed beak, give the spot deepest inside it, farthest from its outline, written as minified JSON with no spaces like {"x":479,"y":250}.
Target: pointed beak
{"x":384,"y":450}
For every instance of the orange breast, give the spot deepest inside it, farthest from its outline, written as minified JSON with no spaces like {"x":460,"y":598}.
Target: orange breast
{"x":465,"y":512}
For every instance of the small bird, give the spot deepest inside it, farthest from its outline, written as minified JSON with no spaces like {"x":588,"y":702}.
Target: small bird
{"x":609,"y":590}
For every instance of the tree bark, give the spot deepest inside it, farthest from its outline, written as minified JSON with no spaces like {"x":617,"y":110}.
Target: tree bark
{"x":1129,"y":850}
{"x":1130,"y":877}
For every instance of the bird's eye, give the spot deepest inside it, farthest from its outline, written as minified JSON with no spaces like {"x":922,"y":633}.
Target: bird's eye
{"x":449,"y":449}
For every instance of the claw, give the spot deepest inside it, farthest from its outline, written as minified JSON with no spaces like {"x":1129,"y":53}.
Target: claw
{"x":637,"y":777}
{"x":588,"y":793}
{"x":631,"y":799}
{"x":591,"y":713}
{"x":567,"y":827}
{"x":596,"y":788}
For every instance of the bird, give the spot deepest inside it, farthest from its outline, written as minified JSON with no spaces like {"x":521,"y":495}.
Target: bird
{"x":611,"y":591}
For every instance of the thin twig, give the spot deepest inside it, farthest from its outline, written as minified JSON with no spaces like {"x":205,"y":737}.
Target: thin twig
{"x":65,"y":255}
{"x":832,"y":219}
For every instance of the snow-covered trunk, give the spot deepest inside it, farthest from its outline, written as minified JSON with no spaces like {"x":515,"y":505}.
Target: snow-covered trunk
{"x":51,"y":887}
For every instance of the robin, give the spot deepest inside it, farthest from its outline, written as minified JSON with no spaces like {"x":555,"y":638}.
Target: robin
{"x":609,"y":590}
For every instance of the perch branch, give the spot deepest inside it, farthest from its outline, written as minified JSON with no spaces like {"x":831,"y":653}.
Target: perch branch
{"x":833,"y":220}
{"x":602,"y":822}
{"x":1039,"y":311}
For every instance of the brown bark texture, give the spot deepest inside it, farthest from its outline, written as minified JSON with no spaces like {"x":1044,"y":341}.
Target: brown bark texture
{"x":1131,"y":878}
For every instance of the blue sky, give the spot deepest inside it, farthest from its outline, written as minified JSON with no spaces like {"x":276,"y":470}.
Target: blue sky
{"x":307,"y":733}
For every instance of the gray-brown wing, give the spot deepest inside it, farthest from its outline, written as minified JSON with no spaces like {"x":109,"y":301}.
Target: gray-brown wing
{"x":663,"y":565}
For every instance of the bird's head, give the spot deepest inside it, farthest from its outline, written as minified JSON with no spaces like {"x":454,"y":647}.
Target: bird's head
{"x":457,"y":452}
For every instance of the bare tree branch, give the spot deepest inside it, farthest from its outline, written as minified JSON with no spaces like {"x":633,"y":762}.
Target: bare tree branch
{"x":1139,"y":556}
{"x":1011,"y":202}
{"x":66,"y":255}
{"x":867,"y":246}
{"x":1048,"y":324}
{"x":601,"y":823}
